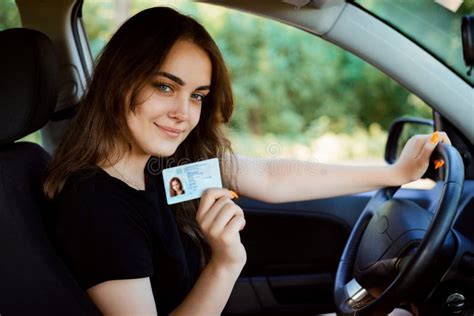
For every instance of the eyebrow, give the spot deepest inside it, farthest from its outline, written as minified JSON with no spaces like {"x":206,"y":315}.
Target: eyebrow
{"x":179,"y":80}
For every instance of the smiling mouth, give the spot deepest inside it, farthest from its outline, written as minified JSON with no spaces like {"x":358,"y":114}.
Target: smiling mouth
{"x":171,"y":132}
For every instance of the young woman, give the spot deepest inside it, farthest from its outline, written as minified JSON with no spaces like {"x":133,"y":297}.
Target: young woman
{"x":161,"y":93}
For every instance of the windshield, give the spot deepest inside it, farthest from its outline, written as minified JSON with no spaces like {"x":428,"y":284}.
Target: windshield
{"x":428,"y":23}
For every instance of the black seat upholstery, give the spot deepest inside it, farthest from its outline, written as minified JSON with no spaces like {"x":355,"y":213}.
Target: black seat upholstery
{"x":33,"y":279}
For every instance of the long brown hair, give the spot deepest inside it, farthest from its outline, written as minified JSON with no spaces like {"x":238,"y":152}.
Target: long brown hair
{"x":128,"y":63}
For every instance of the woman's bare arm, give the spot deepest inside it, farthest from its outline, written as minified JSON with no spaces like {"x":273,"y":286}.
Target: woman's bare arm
{"x":284,"y":180}
{"x":211,"y":292}
{"x":124,"y":297}
{"x":134,"y":297}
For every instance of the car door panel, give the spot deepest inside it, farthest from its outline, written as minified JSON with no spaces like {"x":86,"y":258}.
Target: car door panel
{"x":293,"y":250}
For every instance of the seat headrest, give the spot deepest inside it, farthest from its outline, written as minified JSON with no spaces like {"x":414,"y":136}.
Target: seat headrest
{"x":28,"y":82}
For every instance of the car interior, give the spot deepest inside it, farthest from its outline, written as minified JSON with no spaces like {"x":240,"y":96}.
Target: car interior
{"x":362,"y":254}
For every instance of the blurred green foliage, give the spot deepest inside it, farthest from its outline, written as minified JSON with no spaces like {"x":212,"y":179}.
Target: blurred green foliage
{"x":289,"y":86}
{"x":286,"y":82}
{"x":9,"y":16}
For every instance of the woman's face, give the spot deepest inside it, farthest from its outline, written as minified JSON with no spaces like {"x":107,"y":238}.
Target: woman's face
{"x":176,"y":185}
{"x":170,"y":106}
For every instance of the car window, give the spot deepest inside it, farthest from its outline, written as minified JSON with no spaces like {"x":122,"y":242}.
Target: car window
{"x":10,"y":18}
{"x":9,"y":15}
{"x":430,"y":24}
{"x":296,"y":95}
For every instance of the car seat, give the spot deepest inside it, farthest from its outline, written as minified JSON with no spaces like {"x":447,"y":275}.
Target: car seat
{"x":33,"y":279}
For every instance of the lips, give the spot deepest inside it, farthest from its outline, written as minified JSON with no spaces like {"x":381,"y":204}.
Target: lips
{"x":172,"y":132}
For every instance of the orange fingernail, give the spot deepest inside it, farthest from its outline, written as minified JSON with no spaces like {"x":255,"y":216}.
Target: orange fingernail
{"x":435,"y":137}
{"x":234,"y":195}
{"x":438,"y":163}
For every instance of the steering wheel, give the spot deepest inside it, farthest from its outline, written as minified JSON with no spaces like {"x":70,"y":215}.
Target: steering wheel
{"x":394,"y":252}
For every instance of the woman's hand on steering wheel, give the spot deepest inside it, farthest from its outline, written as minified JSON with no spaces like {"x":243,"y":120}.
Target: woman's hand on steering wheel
{"x":415,"y":156}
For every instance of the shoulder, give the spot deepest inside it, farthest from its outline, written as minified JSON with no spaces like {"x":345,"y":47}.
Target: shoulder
{"x":93,"y":180}
{"x":92,"y":186}
{"x":93,"y":204}
{"x":96,"y":195}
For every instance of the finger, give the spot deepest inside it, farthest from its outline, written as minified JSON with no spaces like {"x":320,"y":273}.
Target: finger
{"x":418,"y":143}
{"x":428,"y":147}
{"x":418,"y":138}
{"x":243,"y":225}
{"x":234,"y":194}
{"x":444,"y":138}
{"x":210,"y":215}
{"x":435,"y":137}
{"x":438,"y":163}
{"x":225,"y":215}
{"x":236,"y":224}
{"x":208,"y":198}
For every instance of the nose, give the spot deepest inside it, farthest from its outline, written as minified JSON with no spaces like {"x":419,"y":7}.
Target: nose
{"x":180,"y":110}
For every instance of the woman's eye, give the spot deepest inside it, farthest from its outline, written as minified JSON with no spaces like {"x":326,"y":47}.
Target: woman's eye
{"x":198,"y":97}
{"x":163,"y":87}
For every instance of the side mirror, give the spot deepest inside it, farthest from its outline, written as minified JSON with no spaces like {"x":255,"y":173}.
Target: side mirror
{"x":400,"y":131}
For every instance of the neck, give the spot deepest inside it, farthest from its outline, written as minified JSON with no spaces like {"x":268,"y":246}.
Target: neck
{"x":130,"y":169}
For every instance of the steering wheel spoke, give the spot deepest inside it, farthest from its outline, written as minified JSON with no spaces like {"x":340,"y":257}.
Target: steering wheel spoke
{"x":356,"y":294}
{"x":379,"y":198}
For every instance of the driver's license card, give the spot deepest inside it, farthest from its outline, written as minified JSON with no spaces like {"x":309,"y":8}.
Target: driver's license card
{"x":188,"y":182}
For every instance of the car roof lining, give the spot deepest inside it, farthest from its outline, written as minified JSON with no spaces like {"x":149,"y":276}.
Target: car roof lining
{"x":316,"y":17}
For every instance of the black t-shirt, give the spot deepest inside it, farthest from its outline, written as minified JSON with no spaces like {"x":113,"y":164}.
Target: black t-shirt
{"x":105,"y":230}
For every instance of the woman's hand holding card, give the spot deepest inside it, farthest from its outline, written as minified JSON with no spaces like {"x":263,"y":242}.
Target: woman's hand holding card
{"x":220,"y":220}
